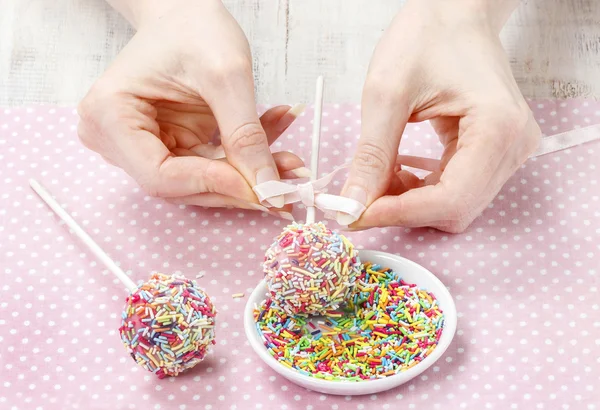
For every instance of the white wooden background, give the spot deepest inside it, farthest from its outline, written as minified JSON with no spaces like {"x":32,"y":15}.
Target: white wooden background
{"x":52,"y":50}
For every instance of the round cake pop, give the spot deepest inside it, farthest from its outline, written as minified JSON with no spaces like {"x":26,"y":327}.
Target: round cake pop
{"x":309,"y":269}
{"x":168,"y":324}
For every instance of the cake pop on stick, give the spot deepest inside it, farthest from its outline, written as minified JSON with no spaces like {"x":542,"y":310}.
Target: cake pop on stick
{"x":309,"y":269}
{"x":168,"y":322}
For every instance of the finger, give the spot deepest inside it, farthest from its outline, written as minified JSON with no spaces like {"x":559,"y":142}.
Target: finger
{"x":184,"y":137}
{"x":125,"y":132}
{"x":398,"y":183}
{"x":242,"y":135}
{"x":396,"y":187}
{"x":167,"y":176}
{"x":189,"y":123}
{"x":138,"y":150}
{"x":278,"y":119}
{"x":296,"y":173}
{"x":275,"y":121}
{"x":208,"y":151}
{"x":289,"y":165}
{"x":432,"y":179}
{"x":270,"y":121}
{"x":287,"y":161}
{"x":405,"y":181}
{"x":427,"y":164}
{"x":168,"y":140}
{"x":211,"y":200}
{"x":414,"y":208}
{"x":222,"y":201}
{"x":455,"y":201}
{"x":383,"y":120}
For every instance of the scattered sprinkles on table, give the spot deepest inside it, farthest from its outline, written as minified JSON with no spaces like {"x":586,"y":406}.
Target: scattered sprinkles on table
{"x":387,"y":327}
{"x":168,"y":324}
{"x":310,"y":269}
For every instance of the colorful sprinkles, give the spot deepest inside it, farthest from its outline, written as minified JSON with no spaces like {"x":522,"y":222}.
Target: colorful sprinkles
{"x":310,"y":269}
{"x":388,"y":326}
{"x":168,"y":324}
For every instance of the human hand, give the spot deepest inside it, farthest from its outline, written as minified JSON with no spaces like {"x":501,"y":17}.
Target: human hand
{"x":184,"y":80}
{"x":440,"y":61}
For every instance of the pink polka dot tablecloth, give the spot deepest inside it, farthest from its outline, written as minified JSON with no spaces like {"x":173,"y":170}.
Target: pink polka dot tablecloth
{"x":525,"y":279}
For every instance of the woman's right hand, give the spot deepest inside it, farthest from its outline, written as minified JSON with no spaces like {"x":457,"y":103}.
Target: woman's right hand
{"x":182,"y":82}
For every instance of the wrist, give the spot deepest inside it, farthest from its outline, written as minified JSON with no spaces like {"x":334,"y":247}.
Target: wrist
{"x":491,"y":14}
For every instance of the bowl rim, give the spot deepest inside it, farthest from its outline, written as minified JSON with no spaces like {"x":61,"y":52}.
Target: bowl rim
{"x":385,"y":383}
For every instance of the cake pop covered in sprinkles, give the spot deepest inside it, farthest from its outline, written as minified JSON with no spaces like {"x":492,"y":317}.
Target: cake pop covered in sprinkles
{"x":310,"y":270}
{"x":168,"y":324}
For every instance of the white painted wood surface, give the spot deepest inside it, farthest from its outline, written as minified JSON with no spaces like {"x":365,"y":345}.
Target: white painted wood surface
{"x":52,"y":51}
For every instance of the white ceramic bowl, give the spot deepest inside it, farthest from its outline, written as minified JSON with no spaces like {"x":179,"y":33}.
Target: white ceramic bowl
{"x":411,"y":273}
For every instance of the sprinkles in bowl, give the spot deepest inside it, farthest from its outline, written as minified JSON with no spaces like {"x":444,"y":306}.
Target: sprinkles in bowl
{"x":387,"y":326}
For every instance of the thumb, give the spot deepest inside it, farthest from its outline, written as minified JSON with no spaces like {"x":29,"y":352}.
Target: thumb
{"x":384,"y":117}
{"x":242,"y":135}
{"x":274,"y":122}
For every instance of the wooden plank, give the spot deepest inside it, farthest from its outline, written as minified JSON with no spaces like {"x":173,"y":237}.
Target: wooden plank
{"x":51,"y":52}
{"x":554,"y":48}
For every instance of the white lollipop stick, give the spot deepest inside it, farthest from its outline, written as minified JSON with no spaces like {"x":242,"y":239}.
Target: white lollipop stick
{"x":81,"y":234}
{"x":316,"y":137}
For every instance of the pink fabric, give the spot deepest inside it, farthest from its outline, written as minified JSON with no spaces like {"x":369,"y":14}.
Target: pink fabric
{"x":525,"y":278}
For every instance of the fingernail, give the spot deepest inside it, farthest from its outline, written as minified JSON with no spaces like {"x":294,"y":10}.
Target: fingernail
{"x":301,"y":172}
{"x":258,"y":207}
{"x":268,"y":174}
{"x":290,"y":116}
{"x":281,"y":214}
{"x":297,"y":109}
{"x":219,"y":153}
{"x":216,"y":138}
{"x":356,"y":193}
{"x":286,"y":215}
